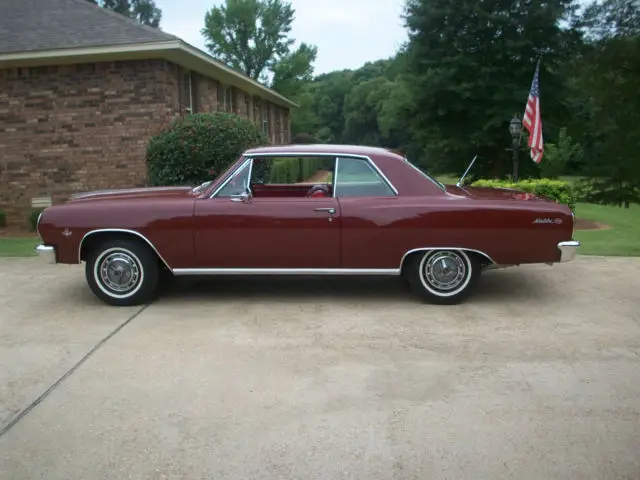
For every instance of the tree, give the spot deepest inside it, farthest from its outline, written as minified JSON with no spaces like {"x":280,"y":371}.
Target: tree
{"x":607,"y":83}
{"x":144,"y":11}
{"x":558,"y":156}
{"x":470,"y":67}
{"x":294,"y":70}
{"x":610,"y":19}
{"x":252,"y":36}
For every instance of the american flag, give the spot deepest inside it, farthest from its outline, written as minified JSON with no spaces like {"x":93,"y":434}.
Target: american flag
{"x":532,"y":121}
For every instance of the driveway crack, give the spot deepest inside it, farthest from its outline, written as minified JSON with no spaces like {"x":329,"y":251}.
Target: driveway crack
{"x":68,"y":373}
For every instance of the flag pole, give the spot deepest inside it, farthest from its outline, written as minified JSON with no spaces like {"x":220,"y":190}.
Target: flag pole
{"x":522,"y":125}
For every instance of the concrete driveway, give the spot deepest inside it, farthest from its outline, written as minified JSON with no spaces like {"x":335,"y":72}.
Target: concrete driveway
{"x":537,"y":376}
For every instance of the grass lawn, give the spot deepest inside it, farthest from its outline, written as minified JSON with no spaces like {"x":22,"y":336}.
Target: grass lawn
{"x":18,"y":246}
{"x":622,"y":239}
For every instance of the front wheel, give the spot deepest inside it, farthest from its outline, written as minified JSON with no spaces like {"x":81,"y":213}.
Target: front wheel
{"x":122,"y":272}
{"x":443,"y":277}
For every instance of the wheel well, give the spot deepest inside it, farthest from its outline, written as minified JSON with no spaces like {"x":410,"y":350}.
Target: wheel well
{"x":478,"y":257}
{"x":93,"y":240}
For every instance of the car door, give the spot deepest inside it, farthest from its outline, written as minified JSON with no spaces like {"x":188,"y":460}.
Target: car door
{"x":236,"y":230}
{"x":372,"y":235}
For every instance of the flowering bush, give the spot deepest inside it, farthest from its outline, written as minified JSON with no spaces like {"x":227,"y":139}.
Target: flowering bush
{"x":559,"y":191}
{"x":195,"y":146}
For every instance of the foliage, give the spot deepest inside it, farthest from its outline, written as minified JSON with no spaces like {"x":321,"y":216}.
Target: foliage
{"x":252,"y":36}
{"x":471,"y":66}
{"x":303,"y":138}
{"x":292,"y":170}
{"x":556,"y":190}
{"x":144,"y":11}
{"x":621,"y":239}
{"x":3,"y":219}
{"x":449,"y":93}
{"x":33,"y":217}
{"x":294,"y":70}
{"x":607,"y":84}
{"x":611,"y":19}
{"x":194,"y":145}
{"x":558,"y":156}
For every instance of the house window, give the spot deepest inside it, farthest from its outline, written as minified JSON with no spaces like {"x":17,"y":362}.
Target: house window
{"x":264,"y":113}
{"x":229,"y":100}
{"x":188,"y":92}
{"x":279,"y":139}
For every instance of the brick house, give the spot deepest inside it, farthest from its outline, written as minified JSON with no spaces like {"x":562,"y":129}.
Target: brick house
{"x":83,"y":88}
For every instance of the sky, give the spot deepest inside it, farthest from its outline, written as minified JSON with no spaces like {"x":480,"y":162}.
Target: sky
{"x":348,"y":33}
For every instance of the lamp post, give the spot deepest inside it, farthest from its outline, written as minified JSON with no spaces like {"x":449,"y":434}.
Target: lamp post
{"x":515,"y":129}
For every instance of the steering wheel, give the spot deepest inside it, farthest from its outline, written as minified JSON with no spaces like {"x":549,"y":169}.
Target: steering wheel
{"x":318,"y":191}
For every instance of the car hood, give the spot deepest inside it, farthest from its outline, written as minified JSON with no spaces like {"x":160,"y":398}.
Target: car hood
{"x":132,"y":193}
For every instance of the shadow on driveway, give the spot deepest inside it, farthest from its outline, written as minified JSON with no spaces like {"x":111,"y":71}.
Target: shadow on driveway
{"x":493,"y":286}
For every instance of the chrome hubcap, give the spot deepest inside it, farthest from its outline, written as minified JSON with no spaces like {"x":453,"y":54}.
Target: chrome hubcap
{"x":445,"y":271}
{"x":119,"y":272}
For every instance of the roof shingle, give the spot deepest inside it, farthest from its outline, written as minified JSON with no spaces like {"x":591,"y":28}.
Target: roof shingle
{"x":32,"y":25}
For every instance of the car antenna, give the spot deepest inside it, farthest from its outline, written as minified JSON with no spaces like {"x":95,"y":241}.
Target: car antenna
{"x":459,"y":184}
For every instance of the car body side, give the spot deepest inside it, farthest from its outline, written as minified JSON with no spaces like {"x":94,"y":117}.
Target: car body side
{"x":184,"y":227}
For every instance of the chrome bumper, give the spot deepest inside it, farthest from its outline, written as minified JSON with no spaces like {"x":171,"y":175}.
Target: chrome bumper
{"x":568,"y":250}
{"x":47,"y":254}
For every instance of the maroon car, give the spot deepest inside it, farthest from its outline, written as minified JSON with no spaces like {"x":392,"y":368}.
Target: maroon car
{"x":305,"y":210}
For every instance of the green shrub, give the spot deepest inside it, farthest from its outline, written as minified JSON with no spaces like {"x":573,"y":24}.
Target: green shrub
{"x":193,"y":146}
{"x":557,"y":190}
{"x":3,"y":219}
{"x":33,"y":217}
{"x":558,"y":156}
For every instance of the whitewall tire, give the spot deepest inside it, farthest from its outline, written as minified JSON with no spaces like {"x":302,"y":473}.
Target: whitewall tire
{"x":442,"y":276}
{"x":122,"y":272}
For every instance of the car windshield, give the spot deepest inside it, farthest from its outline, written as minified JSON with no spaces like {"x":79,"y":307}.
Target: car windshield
{"x":426,"y":175}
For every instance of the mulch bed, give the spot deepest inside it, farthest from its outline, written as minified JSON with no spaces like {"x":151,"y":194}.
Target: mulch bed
{"x":582,"y":224}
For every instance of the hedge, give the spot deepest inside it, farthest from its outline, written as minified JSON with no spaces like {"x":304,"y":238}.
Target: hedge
{"x":3,"y":219}
{"x":194,"y":145}
{"x":556,"y":190}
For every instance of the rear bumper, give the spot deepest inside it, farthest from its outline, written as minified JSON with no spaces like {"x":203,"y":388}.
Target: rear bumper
{"x":568,"y":250}
{"x":47,"y":254}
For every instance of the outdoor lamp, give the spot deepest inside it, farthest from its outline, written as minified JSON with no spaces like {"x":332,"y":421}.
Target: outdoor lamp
{"x":515,"y":126}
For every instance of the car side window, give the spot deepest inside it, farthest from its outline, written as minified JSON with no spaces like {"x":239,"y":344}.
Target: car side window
{"x":355,"y":177}
{"x":237,"y":185}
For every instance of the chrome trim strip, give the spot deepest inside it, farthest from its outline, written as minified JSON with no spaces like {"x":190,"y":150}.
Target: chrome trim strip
{"x":384,"y":177}
{"x":334,"y":177}
{"x":303,"y":153}
{"x":231,"y":175}
{"x":568,"y":250}
{"x":121,"y":230}
{"x":285,"y":271}
{"x":424,"y":249}
{"x":38,"y":226}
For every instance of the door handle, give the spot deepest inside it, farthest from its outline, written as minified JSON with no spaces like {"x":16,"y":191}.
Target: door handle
{"x":330,"y":210}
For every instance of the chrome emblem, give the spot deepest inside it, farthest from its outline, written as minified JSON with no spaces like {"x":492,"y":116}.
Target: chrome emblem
{"x":66,"y":232}
{"x":557,"y":221}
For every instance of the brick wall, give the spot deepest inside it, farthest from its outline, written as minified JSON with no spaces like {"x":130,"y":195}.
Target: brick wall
{"x":71,"y":128}
{"x":74,"y":128}
{"x":206,"y":94}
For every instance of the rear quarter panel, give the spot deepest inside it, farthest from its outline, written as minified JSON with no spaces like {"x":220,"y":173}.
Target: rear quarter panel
{"x":166,"y":222}
{"x":378,"y":232}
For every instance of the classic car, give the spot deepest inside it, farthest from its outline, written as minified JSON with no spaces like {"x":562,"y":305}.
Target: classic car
{"x":365,"y":211}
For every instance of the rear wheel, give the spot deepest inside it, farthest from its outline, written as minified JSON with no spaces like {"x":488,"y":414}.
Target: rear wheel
{"x":442,"y":276}
{"x":122,"y":272}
